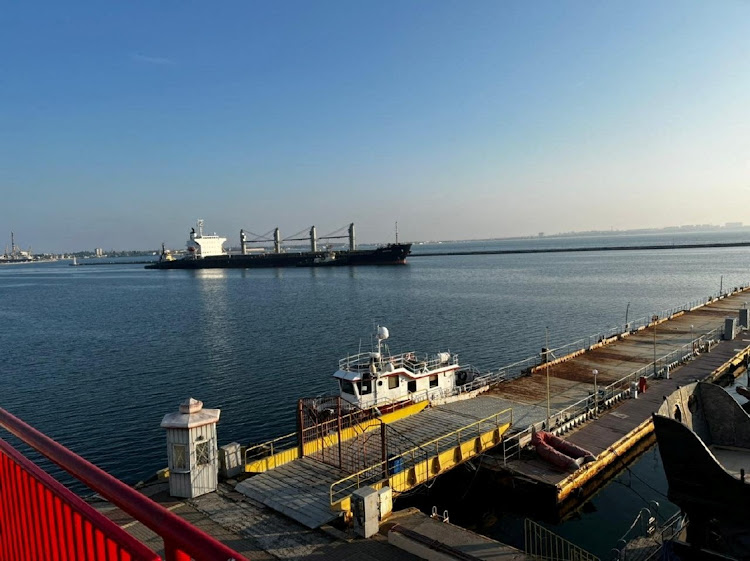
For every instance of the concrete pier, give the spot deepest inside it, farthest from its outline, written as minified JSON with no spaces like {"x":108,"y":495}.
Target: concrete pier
{"x":602,"y":414}
{"x":260,"y":533}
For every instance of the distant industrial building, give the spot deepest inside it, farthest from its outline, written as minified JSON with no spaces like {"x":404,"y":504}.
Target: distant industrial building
{"x":99,"y":252}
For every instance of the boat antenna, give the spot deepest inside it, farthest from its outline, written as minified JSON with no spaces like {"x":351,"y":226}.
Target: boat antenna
{"x":396,"y":231}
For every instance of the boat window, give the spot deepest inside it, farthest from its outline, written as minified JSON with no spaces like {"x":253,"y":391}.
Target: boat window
{"x":365,"y":387}
{"x":393,"y":382}
{"x":179,"y":457}
{"x":433,"y":381}
{"x":347,"y":387}
{"x":412,"y":386}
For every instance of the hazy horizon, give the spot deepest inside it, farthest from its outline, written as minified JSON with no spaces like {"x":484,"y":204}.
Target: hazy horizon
{"x":234,"y":242}
{"x":122,"y":124}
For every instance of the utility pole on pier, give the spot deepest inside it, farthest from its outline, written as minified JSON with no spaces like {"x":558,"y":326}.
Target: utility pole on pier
{"x":546,"y":361}
{"x":654,"y":319}
{"x":596,"y":392}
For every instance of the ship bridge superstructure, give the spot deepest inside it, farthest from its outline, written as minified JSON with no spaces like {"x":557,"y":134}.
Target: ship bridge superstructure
{"x":200,"y":245}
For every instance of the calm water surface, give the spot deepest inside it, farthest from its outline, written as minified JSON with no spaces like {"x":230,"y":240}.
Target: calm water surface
{"x":95,"y":355}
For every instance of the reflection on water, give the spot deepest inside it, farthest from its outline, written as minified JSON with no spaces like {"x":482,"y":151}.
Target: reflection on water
{"x":214,"y":325}
{"x":211,"y":273}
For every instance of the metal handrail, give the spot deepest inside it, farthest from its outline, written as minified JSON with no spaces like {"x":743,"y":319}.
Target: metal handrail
{"x":512,"y":444}
{"x":408,"y":360}
{"x":542,"y":543}
{"x":181,"y":539}
{"x":269,"y":448}
{"x":377,"y":470}
{"x":643,"y":322}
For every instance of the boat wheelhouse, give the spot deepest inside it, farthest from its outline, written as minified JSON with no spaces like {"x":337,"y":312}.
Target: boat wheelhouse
{"x":379,"y":378}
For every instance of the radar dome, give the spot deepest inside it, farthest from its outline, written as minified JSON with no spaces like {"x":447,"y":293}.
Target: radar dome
{"x":382,"y":333}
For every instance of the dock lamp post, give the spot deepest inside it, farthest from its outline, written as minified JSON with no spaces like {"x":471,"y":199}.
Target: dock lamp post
{"x":654,"y":319}
{"x":546,"y":360}
{"x":596,"y":392}
{"x":692,"y":345}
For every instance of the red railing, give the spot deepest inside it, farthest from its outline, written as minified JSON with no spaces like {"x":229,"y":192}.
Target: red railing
{"x":42,"y":520}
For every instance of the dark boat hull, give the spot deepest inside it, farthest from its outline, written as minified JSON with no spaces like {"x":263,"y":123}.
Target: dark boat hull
{"x":704,"y":437}
{"x":697,"y":482}
{"x":392,"y":254}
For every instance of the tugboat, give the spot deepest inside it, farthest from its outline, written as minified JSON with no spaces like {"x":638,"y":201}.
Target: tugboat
{"x":380,"y":379}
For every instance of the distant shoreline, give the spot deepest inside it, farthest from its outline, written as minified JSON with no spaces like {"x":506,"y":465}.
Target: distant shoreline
{"x":580,"y":249}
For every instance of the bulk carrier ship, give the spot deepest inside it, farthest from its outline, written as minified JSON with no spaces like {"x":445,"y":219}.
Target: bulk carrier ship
{"x":207,"y":252}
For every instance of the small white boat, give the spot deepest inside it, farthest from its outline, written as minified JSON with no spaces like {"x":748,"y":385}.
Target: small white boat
{"x":379,"y":378}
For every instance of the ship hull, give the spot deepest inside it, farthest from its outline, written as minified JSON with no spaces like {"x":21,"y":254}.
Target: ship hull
{"x":392,"y":254}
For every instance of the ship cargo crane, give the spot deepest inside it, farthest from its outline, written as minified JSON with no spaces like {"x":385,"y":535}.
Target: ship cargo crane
{"x":312,"y":237}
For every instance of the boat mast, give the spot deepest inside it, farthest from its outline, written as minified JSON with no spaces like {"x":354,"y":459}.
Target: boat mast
{"x":352,"y":244}
{"x":396,"y":231}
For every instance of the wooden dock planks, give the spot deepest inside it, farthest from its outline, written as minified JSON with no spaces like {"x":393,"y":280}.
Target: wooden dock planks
{"x":299,"y":489}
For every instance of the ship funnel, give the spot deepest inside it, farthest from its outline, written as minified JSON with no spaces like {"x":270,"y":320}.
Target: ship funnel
{"x":382,"y":333}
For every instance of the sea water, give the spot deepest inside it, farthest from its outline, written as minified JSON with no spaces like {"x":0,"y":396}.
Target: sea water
{"x":94,"y":356}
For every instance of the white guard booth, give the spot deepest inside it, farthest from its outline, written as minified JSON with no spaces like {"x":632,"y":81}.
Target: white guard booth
{"x":192,"y":449}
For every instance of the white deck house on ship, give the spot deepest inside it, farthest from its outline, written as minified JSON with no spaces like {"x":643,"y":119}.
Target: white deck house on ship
{"x":379,"y":378}
{"x":200,"y":246}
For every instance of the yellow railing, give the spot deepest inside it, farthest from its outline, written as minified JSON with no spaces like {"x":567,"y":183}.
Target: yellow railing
{"x":421,"y":463}
{"x":271,"y":454}
{"x":267,"y":456}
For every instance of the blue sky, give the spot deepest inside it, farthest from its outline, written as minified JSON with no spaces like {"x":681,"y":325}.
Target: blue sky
{"x":122,"y":123}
